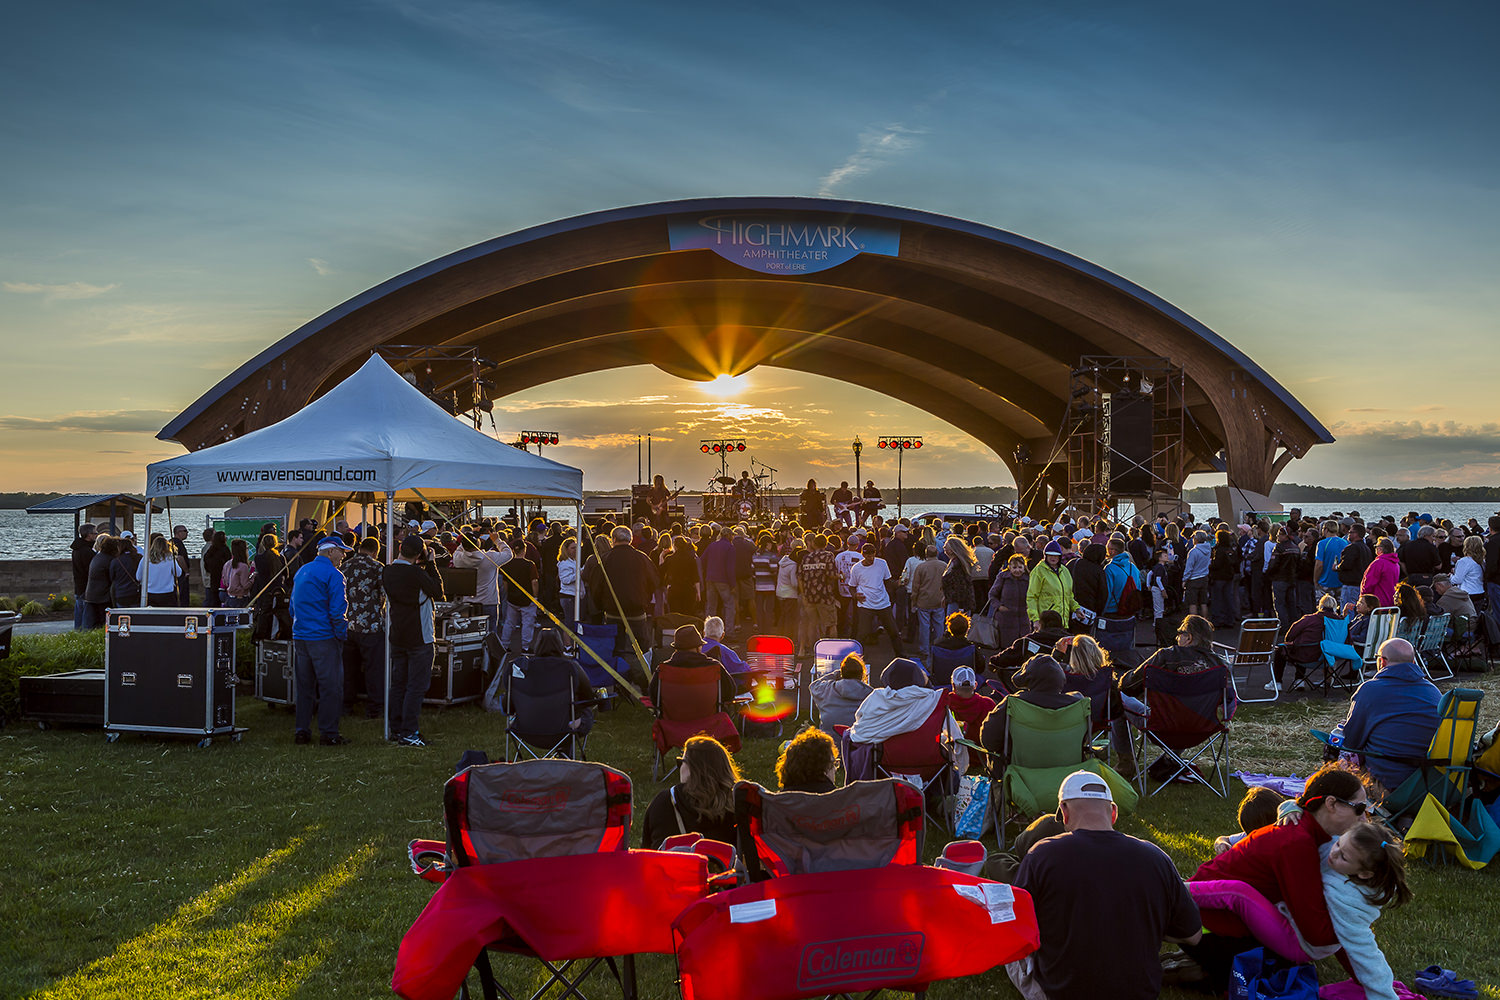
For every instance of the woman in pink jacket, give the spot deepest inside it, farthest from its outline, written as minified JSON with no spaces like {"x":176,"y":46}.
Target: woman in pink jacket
{"x":1382,"y":574}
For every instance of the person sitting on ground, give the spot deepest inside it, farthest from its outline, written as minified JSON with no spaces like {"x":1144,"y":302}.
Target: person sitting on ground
{"x":1364,"y":871}
{"x":1257,"y":809}
{"x":1049,"y":630}
{"x":1039,"y":682}
{"x":969,"y":707}
{"x":713,"y":645}
{"x":838,"y":695}
{"x":687,"y":651}
{"x":702,"y":801}
{"x":1124,"y":884}
{"x":1302,"y":647}
{"x":809,"y":763}
{"x":1392,"y":716}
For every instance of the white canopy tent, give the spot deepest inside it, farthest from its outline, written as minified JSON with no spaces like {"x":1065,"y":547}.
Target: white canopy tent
{"x":373,"y":433}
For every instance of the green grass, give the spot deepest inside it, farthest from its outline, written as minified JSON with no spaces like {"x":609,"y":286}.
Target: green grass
{"x":148,"y":869}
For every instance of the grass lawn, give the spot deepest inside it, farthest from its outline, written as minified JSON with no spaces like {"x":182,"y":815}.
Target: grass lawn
{"x":150,"y":869}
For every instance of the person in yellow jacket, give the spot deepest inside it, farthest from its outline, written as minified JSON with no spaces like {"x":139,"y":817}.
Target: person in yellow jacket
{"x":1051,"y":587}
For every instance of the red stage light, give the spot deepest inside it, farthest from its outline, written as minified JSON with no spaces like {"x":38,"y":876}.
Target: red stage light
{"x":718,"y":447}
{"x":882,"y":443}
{"x":554,"y":439}
{"x":742,"y":446}
{"x":525,"y":438}
{"x":917,"y":443}
{"x":705,"y":449}
{"x":905,"y":444}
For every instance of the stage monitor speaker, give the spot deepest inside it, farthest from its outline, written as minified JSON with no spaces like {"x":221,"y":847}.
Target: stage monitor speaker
{"x":1131,"y":416}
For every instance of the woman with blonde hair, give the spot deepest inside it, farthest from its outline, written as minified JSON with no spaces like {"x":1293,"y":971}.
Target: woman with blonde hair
{"x":963,"y":565}
{"x":702,"y":801}
{"x":1468,"y":572}
{"x":159,"y":573}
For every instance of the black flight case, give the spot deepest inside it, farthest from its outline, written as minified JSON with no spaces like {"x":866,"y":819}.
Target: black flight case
{"x":458,"y":660}
{"x":275,"y":674}
{"x":170,"y":671}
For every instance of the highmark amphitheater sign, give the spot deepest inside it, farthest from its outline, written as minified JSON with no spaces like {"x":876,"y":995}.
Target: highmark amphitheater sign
{"x":785,"y":244}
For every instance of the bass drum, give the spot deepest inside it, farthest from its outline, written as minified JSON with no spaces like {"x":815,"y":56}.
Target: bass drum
{"x":745,"y":510}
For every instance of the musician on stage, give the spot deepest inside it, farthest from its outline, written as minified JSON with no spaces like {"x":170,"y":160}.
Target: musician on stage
{"x":658,"y":497}
{"x":745,"y":488}
{"x":871,"y":501}
{"x":813,"y":506}
{"x":843,"y":495}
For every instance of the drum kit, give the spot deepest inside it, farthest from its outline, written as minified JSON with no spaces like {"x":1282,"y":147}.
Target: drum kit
{"x":721,"y":503}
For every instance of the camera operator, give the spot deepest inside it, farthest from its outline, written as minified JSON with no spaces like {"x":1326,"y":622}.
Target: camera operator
{"x":412,"y":585}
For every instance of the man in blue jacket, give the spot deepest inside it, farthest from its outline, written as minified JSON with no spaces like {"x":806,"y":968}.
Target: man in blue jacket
{"x":1116,"y":626}
{"x":1393,"y":715}
{"x":319,"y":628}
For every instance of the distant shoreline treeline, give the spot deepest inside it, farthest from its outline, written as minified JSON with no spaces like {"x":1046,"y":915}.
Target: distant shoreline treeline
{"x":13,"y":501}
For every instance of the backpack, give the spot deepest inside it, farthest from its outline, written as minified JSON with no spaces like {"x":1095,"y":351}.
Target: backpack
{"x":1129,"y":603}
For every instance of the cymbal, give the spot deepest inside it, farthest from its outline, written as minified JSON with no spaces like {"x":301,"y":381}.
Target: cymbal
{"x":726,"y":480}
{"x":763,"y":475}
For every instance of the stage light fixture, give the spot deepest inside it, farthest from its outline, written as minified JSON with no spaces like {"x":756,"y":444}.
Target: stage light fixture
{"x":880,"y":443}
{"x":742,"y":446}
{"x":704,"y":449}
{"x":718,"y":447}
{"x":554,"y":439}
{"x":917,"y":443}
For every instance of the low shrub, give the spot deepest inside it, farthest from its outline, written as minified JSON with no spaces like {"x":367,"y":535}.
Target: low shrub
{"x":52,"y":653}
{"x":32,"y":609}
{"x":60,"y":602}
{"x":7,"y":604}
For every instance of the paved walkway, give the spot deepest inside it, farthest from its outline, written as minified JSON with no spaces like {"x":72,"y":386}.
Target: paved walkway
{"x":40,"y":628}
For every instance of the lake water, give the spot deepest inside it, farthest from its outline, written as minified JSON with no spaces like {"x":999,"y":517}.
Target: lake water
{"x":47,"y":536}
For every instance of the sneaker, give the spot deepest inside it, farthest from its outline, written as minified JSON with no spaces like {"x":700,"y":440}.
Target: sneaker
{"x":1271,"y":686}
{"x":333,"y":740}
{"x":414,"y":740}
{"x":302,"y":738}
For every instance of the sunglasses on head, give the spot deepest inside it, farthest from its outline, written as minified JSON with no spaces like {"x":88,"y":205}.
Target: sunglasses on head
{"x":1358,"y":807}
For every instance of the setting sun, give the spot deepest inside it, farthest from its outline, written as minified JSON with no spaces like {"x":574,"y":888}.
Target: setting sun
{"x":727,"y":385}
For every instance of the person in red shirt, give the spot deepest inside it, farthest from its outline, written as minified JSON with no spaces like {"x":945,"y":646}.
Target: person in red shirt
{"x":1282,"y":864}
{"x":968,"y":707}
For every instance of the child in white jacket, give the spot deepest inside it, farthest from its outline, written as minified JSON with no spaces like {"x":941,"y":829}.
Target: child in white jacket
{"x":1363,"y":871}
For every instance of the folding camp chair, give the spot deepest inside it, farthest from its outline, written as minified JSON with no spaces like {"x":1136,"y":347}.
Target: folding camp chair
{"x":1256,"y":648}
{"x":1429,"y":648}
{"x":840,"y":904}
{"x":1340,"y":660}
{"x":828,"y":656}
{"x":601,"y":639}
{"x":1099,"y":690}
{"x":945,"y":661}
{"x":540,"y":704}
{"x":530,"y":846}
{"x":923,"y":758}
{"x":1383,"y":622}
{"x":771,"y":660}
{"x":1467,"y":641}
{"x":688,"y":705}
{"x":1042,"y":747}
{"x":1188,"y":719}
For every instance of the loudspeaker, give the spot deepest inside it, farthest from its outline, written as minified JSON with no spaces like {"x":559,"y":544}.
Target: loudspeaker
{"x":1131,"y":416}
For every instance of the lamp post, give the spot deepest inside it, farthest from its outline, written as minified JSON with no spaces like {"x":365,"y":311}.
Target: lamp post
{"x":902,"y":443}
{"x":858,"y":482}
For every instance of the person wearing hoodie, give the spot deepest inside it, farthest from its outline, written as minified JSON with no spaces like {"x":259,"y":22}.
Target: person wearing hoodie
{"x":903,"y":705}
{"x":1195,"y":574}
{"x":1382,"y":574}
{"x":1116,"y":627}
{"x":1223,"y":569}
{"x":1039,"y":682}
{"x":1392,"y":716}
{"x":837,"y":696}
{"x":1051,"y":586}
{"x":1089,"y":589}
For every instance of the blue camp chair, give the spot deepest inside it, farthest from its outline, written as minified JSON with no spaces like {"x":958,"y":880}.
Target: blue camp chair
{"x":601,"y":640}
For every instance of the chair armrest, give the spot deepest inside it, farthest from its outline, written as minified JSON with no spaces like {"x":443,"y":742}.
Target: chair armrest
{"x":429,"y":859}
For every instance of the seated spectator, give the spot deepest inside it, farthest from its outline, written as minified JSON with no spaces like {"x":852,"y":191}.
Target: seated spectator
{"x":1040,"y":682}
{"x":702,"y":801}
{"x":687,"y":651}
{"x":1301,"y":648}
{"x":900,"y":706}
{"x":1257,"y":809}
{"x":1192,"y":654}
{"x":809,"y":763}
{"x":1127,"y":886}
{"x":713,"y":645}
{"x":1392,"y":716}
{"x":1084,"y":659}
{"x":1359,"y":619}
{"x":1049,"y":630}
{"x":548,"y":670}
{"x":837,"y":696}
{"x":969,"y":707}
{"x":1451,"y":600}
{"x":956,"y":636}
{"x":1413,"y":608}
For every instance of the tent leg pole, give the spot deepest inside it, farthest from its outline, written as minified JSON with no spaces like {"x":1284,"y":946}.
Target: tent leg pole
{"x":390,"y":542}
{"x":577,"y":573}
{"x":145,"y":548}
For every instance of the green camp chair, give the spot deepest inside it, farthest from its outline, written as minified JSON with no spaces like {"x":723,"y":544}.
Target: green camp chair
{"x":1044,"y":746}
{"x":1444,"y":772}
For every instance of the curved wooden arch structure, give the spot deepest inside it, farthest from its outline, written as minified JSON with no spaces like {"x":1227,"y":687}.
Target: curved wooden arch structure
{"x":974,"y":325}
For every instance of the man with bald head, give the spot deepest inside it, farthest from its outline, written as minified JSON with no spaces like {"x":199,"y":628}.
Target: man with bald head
{"x":1393,"y":715}
{"x":1124,"y":884}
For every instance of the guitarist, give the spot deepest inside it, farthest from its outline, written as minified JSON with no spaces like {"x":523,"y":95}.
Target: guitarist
{"x":841,"y":498}
{"x":814,"y":509}
{"x":658,"y":499}
{"x":872,"y":501}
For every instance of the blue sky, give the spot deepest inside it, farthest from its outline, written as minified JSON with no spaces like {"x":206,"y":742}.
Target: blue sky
{"x":186,"y":183}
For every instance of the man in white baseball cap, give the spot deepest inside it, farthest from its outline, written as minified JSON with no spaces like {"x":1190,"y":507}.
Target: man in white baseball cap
{"x":1124,"y":884}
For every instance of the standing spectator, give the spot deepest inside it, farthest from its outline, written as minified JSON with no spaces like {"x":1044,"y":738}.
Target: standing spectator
{"x":1353,"y":559}
{"x":867,"y":582}
{"x":234,"y":579}
{"x":365,"y":645}
{"x":681,"y":575}
{"x":787,"y":590}
{"x":159,"y":572}
{"x":521,"y":583}
{"x":486,"y":565}
{"x":721,"y":594}
{"x":1223,"y":568}
{"x":269,"y":591}
{"x":958,"y":578}
{"x":842,"y":562}
{"x":1088,"y":578}
{"x":215,"y":556}
{"x":1468,"y":571}
{"x":1326,"y":560}
{"x":1126,"y":885}
{"x":630,"y":581}
{"x":1281,"y":569}
{"x":411,"y":584}
{"x":124,"y":587}
{"x":82,"y":551}
{"x":1007,"y":601}
{"x":927,"y":598}
{"x":1420,"y":556}
{"x":1195,"y":574}
{"x":319,"y":627}
{"x":99,"y":588}
{"x":1381,"y":576}
{"x":763,"y":571}
{"x":818,"y":584}
{"x":744,"y":572}
{"x":184,"y":582}
{"x":1050,"y":587}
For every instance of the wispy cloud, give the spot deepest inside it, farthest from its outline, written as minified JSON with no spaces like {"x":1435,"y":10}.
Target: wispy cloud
{"x":877,"y":146}
{"x":54,"y":293}
{"x":321,"y":266}
{"x":92,"y":421}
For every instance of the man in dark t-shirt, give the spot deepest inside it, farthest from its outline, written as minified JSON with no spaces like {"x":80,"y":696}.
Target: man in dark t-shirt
{"x":1126,"y":886}
{"x":520,"y":577}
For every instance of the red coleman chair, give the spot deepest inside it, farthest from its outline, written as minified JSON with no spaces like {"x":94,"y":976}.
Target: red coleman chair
{"x":842,"y":904}
{"x":923,"y":754}
{"x":772,"y":660}
{"x":536,"y":865}
{"x":688,"y":706}
{"x":1188,"y":721}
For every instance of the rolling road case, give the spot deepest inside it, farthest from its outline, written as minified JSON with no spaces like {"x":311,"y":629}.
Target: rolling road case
{"x":170,"y":671}
{"x":275,"y":676}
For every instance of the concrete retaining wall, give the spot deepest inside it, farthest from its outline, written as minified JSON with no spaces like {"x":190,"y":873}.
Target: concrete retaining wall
{"x":36,"y":577}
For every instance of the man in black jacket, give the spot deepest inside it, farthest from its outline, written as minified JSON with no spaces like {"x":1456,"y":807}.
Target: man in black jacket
{"x":82,"y":551}
{"x":412,"y":584}
{"x":1420,"y":557}
{"x":633,"y":579}
{"x":1089,"y":588}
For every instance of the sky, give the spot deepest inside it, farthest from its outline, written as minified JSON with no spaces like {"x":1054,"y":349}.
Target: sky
{"x":186,"y":183}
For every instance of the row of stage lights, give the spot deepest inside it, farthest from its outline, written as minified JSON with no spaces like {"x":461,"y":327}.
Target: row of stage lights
{"x":902,"y":441}
{"x":538,"y":437}
{"x":721,"y":447}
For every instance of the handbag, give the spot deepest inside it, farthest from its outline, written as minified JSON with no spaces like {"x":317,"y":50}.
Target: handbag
{"x":1259,"y":974}
{"x":972,"y":817}
{"x":983,"y":632}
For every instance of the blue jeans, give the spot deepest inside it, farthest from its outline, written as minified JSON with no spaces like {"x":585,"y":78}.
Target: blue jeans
{"x":525,"y":617}
{"x":929,"y":630}
{"x":411,"y":676}
{"x":1283,"y":596}
{"x":319,"y":673}
{"x":1348,"y":594}
{"x":723,"y":601}
{"x":78,"y":625}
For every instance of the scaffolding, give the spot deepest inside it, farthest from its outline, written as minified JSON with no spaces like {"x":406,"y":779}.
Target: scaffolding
{"x":1102,"y":479}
